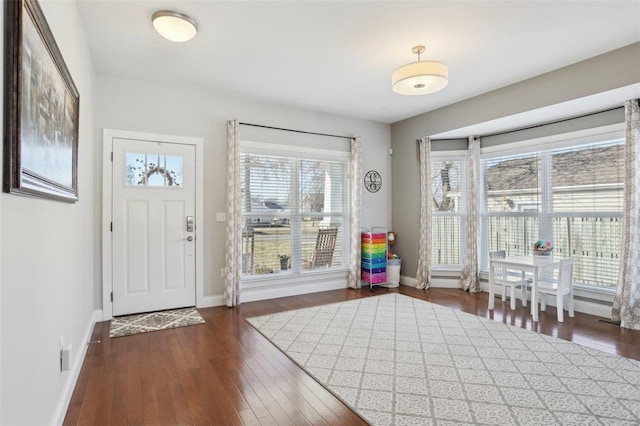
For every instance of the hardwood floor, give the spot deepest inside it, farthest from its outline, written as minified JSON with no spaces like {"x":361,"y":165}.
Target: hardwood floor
{"x":225,"y":372}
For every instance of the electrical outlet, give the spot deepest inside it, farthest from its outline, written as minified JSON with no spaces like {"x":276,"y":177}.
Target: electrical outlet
{"x":65,"y":355}
{"x":221,"y":216}
{"x":223,"y":272}
{"x":65,"y":358}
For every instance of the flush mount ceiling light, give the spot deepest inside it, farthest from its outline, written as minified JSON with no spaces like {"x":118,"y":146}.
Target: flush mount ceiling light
{"x":420,"y":78}
{"x":174,"y":26}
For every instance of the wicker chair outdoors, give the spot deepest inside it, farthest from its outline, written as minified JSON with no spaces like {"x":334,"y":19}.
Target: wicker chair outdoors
{"x":322,"y":254}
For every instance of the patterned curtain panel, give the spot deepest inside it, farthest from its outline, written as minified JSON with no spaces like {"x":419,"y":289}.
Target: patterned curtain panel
{"x":626,"y":305}
{"x":233,"y":259}
{"x":423,"y":275}
{"x":355,"y":171}
{"x":469,"y":278}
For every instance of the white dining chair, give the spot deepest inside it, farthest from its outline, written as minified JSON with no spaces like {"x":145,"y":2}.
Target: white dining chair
{"x":562,"y":287}
{"x":502,"y":277}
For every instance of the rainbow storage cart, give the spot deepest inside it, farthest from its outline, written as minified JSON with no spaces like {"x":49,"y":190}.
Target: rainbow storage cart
{"x":373,"y":264}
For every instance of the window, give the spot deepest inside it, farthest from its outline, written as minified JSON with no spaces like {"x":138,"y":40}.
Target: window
{"x":588,"y":190}
{"x":570,"y":194}
{"x":512,"y":202}
{"x":288,"y":198}
{"x":449,"y":209}
{"x":154,"y":170}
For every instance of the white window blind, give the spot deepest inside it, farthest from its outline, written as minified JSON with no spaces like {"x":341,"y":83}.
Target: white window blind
{"x":588,"y":178}
{"x":571,"y":196}
{"x":512,"y":183}
{"x":449,"y":210}
{"x":286,"y":201}
{"x":588,"y":189}
{"x":512,"y":188}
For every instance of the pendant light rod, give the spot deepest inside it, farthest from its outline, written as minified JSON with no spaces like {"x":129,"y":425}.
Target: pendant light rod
{"x":418,"y":50}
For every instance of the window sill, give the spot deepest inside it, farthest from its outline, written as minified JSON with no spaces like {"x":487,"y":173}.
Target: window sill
{"x":601,"y":294}
{"x":446,"y":271}
{"x":290,"y":277}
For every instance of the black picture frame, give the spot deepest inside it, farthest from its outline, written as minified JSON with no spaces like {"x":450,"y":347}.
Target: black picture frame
{"x":42,"y":108}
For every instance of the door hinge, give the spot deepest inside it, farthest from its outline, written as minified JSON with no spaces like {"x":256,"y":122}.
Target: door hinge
{"x":111,"y":227}
{"x":112,"y":156}
{"x":112,"y":296}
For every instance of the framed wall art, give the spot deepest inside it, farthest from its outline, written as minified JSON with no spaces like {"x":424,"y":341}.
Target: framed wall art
{"x":372,"y":181}
{"x":41,"y":109}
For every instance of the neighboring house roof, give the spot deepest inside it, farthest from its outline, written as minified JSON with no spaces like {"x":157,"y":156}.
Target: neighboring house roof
{"x":586,"y":167}
{"x":273,"y":205}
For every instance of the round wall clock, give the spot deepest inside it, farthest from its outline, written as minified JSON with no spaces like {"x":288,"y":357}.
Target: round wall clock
{"x":372,"y":181}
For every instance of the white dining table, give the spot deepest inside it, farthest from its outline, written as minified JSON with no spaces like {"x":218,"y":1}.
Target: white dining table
{"x":532,"y":264}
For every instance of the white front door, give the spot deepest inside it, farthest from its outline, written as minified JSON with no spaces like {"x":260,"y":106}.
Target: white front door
{"x":153,"y":226}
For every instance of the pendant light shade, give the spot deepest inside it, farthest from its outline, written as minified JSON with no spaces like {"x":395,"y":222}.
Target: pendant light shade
{"x":174,"y":26}
{"x":420,"y":78}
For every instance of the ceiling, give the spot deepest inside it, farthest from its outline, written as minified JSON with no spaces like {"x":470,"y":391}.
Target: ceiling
{"x":338,"y":56}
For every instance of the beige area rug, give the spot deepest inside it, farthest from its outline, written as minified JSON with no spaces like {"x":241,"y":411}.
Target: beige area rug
{"x":154,"y":321}
{"x":396,"y":360}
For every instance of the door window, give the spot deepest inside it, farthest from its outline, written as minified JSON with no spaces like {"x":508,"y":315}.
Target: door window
{"x":154,"y":170}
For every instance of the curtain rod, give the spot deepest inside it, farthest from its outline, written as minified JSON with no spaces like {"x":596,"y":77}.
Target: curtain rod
{"x":552,"y":122}
{"x":295,"y":131}
{"x":506,"y":132}
{"x":461,"y":138}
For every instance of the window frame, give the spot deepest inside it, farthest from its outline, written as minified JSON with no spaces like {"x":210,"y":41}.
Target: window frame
{"x":296,"y":154}
{"x":462,"y":156}
{"x":546,"y":215}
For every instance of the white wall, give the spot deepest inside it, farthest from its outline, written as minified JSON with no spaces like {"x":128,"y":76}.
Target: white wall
{"x":192,"y":111}
{"x":47,"y":268}
{"x":50,"y":271}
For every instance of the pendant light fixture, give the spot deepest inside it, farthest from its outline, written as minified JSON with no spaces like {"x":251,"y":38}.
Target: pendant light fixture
{"x":174,"y":26}
{"x":420,"y":78}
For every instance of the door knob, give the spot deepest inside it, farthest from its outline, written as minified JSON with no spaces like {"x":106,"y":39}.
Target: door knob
{"x":189,"y":238}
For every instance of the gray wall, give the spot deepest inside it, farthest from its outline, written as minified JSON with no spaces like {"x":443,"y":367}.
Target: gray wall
{"x":613,"y":70}
{"x":191,"y":111}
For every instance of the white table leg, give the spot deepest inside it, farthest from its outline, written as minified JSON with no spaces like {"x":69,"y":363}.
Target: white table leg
{"x":524,"y":289}
{"x":534,"y":300}
{"x":491,"y":282}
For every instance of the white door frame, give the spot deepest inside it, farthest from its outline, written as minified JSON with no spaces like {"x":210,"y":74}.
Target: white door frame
{"x":107,"y":190}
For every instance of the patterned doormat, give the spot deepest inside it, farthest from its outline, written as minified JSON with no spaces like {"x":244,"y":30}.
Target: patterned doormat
{"x":154,"y":321}
{"x":396,"y":360}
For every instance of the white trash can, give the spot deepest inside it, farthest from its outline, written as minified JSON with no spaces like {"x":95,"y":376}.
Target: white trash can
{"x":393,"y":272}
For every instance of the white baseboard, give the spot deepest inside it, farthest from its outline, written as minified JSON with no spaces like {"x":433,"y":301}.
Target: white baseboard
{"x":584,"y":306}
{"x":599,"y":309}
{"x":74,"y":373}
{"x":272,"y":292}
{"x":445,"y":283}
{"x":210,"y":301}
{"x":264,"y":293}
{"x":408,"y":281}
{"x":435,"y":282}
